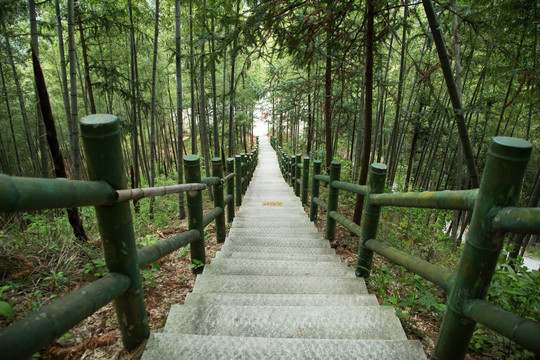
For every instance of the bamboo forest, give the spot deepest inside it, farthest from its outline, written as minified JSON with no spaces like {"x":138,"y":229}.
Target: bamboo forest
{"x":419,"y":89}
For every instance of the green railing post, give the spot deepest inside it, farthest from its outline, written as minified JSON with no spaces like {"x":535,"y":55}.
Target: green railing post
{"x":102,"y":145}
{"x":244,"y":173}
{"x":305,"y":179}
{"x":333,"y":194}
{"x":370,"y":219}
{"x":192,"y":169}
{"x":314,"y":190}
{"x":298,"y":176}
{"x":217,"y":170}
{"x":238,"y":179}
{"x":500,"y":187}
{"x":230,"y":190}
{"x":292,"y":170}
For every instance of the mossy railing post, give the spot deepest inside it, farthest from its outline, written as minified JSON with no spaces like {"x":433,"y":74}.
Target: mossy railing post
{"x":192,"y":169}
{"x":292,"y":170}
{"x":314,"y":190}
{"x":244,"y":172}
{"x":305,"y":179}
{"x":500,"y":187}
{"x":217,"y":170}
{"x":103,"y":148}
{"x":370,"y":219}
{"x":333,"y":195}
{"x":298,"y":176}
{"x":238,"y":179}
{"x":230,"y":190}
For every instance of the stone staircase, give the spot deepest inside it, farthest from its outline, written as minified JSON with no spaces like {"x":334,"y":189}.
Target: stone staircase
{"x":277,"y":290}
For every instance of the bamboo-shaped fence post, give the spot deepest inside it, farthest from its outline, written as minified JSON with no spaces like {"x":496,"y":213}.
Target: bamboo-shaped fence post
{"x":217,"y":170}
{"x":370,"y":219}
{"x":238,"y":179}
{"x":102,"y":145}
{"x":298,"y":176}
{"x":314,"y":190}
{"x":305,"y":179}
{"x":192,"y":169}
{"x":230,"y":190}
{"x":333,"y":195}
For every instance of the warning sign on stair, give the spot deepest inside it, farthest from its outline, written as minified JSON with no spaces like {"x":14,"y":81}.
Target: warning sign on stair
{"x":272,"y":203}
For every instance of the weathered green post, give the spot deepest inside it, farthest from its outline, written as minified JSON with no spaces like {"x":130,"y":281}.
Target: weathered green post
{"x":370,"y":219}
{"x":292,"y":170}
{"x":102,"y":145}
{"x":500,"y":187}
{"x":192,"y":169}
{"x":217,"y":170}
{"x":230,"y":190}
{"x":314,"y":190}
{"x":244,"y":173}
{"x":305,"y":179}
{"x":238,"y":179}
{"x":298,"y":175}
{"x":333,"y":194}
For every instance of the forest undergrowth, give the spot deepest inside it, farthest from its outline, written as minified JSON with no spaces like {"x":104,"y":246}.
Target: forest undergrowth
{"x":419,"y":304}
{"x":40,"y":263}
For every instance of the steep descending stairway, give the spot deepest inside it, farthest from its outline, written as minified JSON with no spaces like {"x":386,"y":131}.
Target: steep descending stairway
{"x":277,"y":290}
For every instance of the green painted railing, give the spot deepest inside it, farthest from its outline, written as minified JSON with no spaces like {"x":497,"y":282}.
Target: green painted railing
{"x":108,"y":194}
{"x":493,"y":214}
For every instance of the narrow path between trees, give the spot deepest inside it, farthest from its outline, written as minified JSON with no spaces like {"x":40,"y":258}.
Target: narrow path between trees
{"x":277,"y":290}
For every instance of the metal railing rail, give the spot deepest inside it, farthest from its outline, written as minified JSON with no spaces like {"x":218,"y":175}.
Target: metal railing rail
{"x":494,"y":212}
{"x":108,"y":194}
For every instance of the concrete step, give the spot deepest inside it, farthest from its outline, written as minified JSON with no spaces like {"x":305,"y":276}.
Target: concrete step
{"x":280,"y":299}
{"x":309,"y":322}
{"x":278,"y":256}
{"x":274,"y":231}
{"x":166,"y":346}
{"x":304,"y":242}
{"x":281,"y":268}
{"x":278,"y":284}
{"x":230,"y":248}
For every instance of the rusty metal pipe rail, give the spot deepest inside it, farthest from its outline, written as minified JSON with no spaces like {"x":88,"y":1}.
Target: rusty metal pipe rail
{"x":40,"y":328}
{"x":524,"y":332}
{"x":448,"y":199}
{"x":520,"y":220}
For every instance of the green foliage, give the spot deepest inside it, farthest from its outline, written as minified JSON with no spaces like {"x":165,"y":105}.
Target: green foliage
{"x":5,"y":307}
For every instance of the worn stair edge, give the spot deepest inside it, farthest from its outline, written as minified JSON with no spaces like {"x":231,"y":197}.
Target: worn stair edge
{"x":278,"y":263}
{"x":300,"y":242}
{"x":310,"y":322}
{"x":260,"y":270}
{"x":229,"y":247}
{"x":278,"y":256}
{"x":280,"y":299}
{"x":184,"y":346}
{"x":278,"y":284}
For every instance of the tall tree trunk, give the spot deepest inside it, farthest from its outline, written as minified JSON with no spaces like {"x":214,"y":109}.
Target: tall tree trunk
{"x":74,"y":135}
{"x":52,"y":139}
{"x":153,"y":110}
{"x":192,"y":80}
{"x":452,"y":90}
{"x":205,"y":148}
{"x":232,"y":91}
{"x":310,"y":116}
{"x":179,"y":107}
{"x":10,"y":117}
{"x":328,"y":84}
{"x":41,"y":126}
{"x":214,"y":93}
{"x":84,"y":49}
{"x":368,"y":109}
{"x":28,"y":132}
